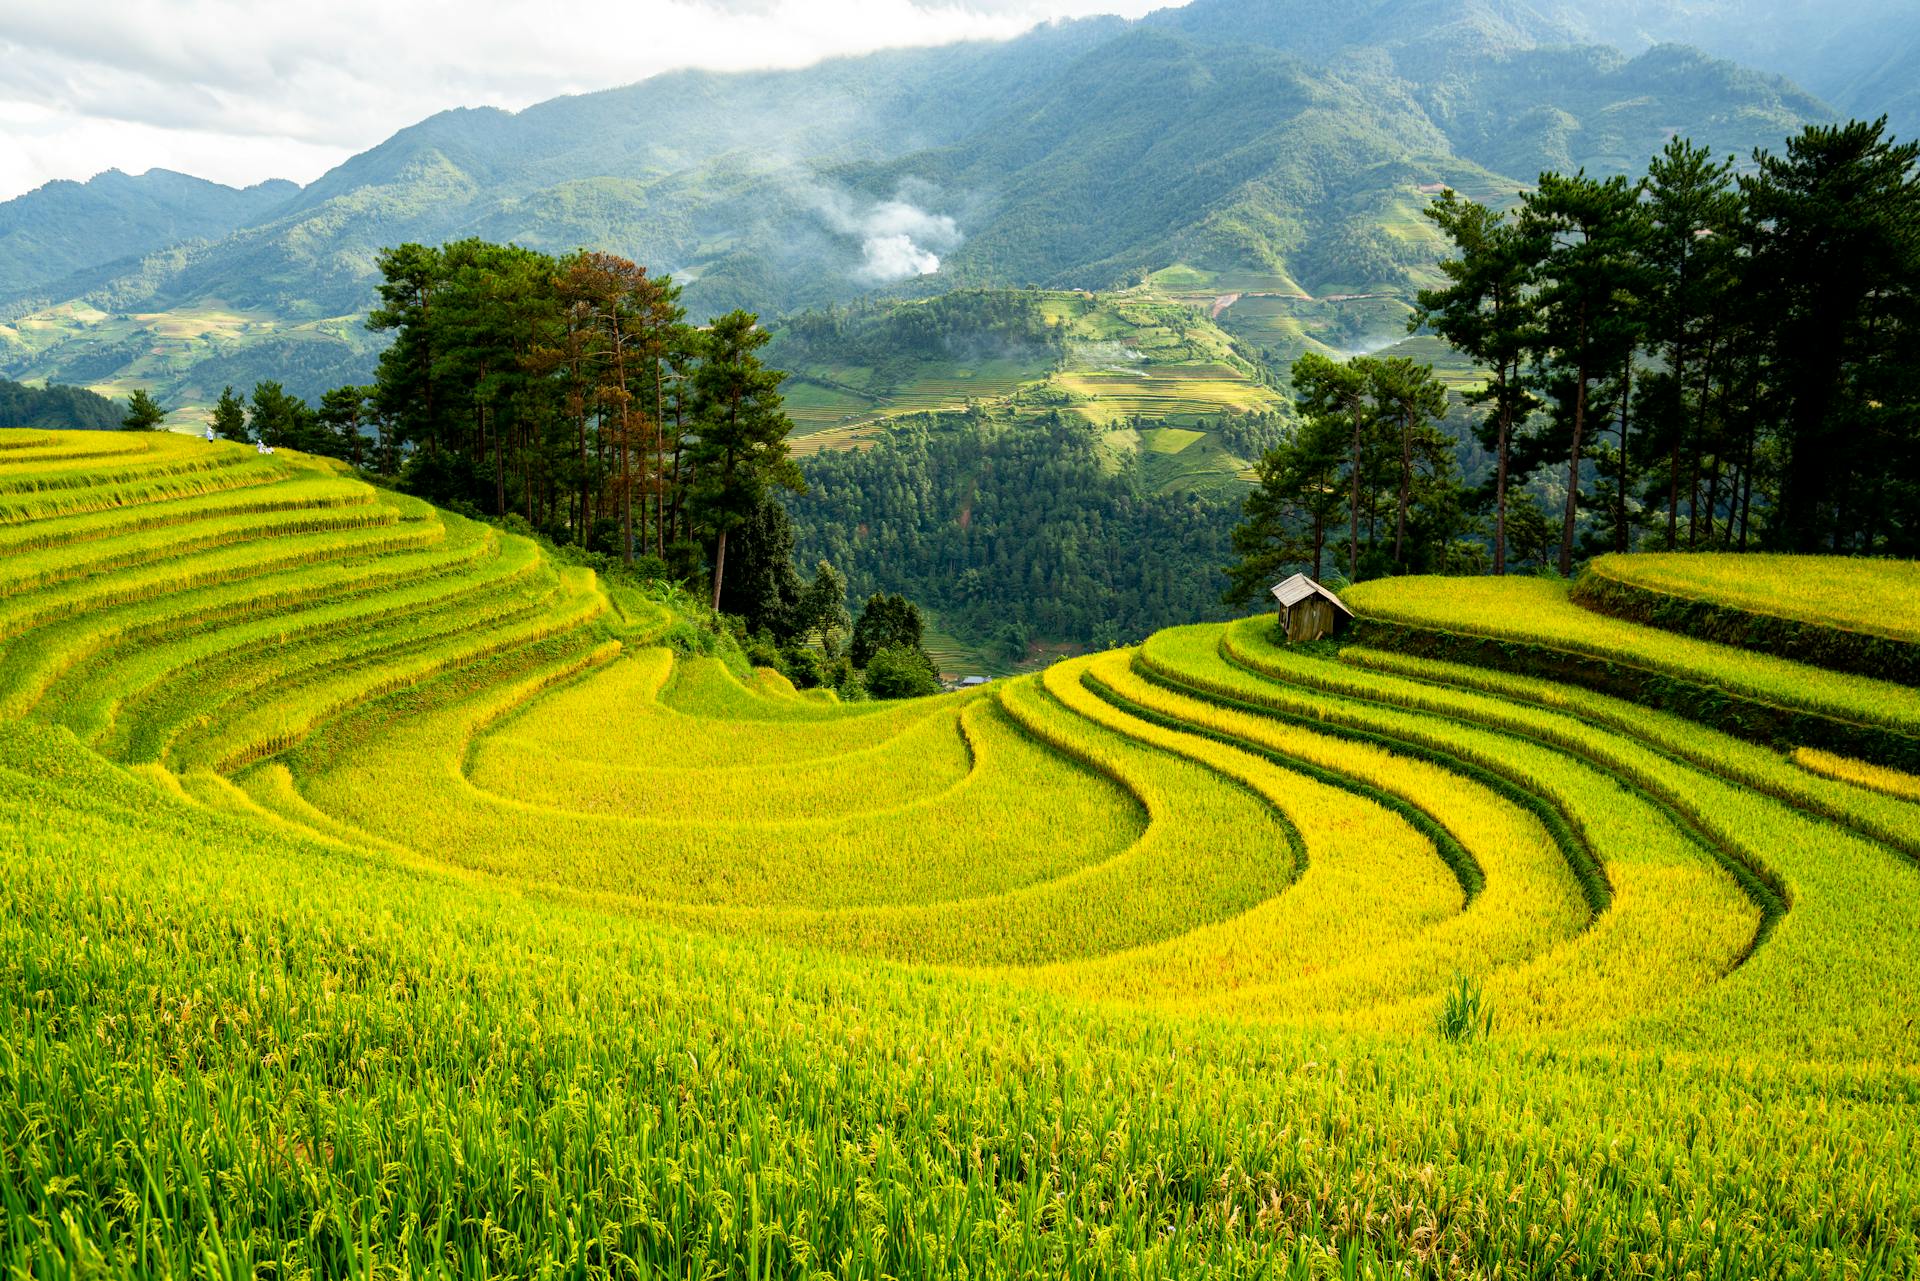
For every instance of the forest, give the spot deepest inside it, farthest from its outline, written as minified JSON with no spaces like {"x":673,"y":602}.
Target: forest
{"x":1014,"y":530}
{"x":1699,"y":359}
{"x":55,"y":406}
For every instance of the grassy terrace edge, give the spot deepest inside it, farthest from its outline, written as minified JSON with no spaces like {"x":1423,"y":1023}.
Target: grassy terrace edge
{"x":1712,"y":705}
{"x":1605,"y":590}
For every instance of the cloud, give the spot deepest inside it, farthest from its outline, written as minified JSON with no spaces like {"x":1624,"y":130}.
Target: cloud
{"x":243,"y":90}
{"x":901,"y":239}
{"x":898,"y":238}
{"x":896,"y":257}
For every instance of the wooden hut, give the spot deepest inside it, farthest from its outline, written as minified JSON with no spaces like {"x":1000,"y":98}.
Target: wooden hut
{"x":1309,"y":611}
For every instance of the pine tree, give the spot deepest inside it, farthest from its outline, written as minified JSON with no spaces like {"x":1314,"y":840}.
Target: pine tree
{"x":1488,"y":313}
{"x":1587,"y":230}
{"x":143,"y":413}
{"x":741,"y":447}
{"x":230,"y":417}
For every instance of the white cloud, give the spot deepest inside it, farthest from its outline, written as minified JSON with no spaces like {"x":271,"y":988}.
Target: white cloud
{"x":901,"y":239}
{"x":896,"y":257}
{"x":240,"y":91}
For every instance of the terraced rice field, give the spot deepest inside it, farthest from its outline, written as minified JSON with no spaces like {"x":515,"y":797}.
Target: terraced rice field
{"x":859,"y":396}
{"x":1165,"y":393}
{"x":381,"y":899}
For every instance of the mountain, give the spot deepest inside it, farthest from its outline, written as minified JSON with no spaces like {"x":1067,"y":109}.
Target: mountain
{"x":1278,"y":151}
{"x":64,"y":228}
{"x":1863,"y":57}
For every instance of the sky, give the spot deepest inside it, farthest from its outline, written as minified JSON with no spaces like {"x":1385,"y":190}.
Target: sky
{"x":240,"y":91}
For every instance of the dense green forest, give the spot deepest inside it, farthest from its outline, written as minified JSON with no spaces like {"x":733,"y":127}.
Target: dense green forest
{"x":1705,"y":359}
{"x":965,"y":324}
{"x":1014,"y":530}
{"x":56,"y":407}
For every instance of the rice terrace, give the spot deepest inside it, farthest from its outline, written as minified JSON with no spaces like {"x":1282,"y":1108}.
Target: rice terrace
{"x":960,"y":640}
{"x":383,"y":896}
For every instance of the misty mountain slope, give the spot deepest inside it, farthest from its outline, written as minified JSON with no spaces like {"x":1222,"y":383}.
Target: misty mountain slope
{"x":62,"y":228}
{"x":666,"y":170}
{"x":1285,"y":144}
{"x":1863,"y":56}
{"x":1133,"y":159}
{"x":1419,"y":36}
{"x":1154,"y":149}
{"x":1568,"y":107}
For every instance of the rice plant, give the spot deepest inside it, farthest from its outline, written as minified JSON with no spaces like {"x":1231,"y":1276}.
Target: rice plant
{"x":379,"y":898}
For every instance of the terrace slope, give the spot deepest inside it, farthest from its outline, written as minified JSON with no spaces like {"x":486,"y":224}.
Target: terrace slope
{"x":379,"y":888}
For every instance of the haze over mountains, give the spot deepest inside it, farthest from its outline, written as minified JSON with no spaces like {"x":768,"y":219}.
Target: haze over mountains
{"x":1285,"y":145}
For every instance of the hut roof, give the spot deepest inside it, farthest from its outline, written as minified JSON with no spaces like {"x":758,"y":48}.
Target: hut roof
{"x":1291,"y":591}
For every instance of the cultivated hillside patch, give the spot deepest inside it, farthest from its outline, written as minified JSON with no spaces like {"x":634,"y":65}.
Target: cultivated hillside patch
{"x":381,"y":894}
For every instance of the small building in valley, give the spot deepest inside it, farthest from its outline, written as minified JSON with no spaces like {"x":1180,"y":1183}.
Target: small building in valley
{"x":1309,"y":611}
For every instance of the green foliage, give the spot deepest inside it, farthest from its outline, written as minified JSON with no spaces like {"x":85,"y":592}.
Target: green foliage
{"x":57,"y":407}
{"x":230,"y":417}
{"x":739,"y":452}
{"x":282,"y":421}
{"x":1837,"y":261}
{"x":1029,"y":523}
{"x":1464,"y":1014}
{"x":1367,"y":450}
{"x":143,"y":413}
{"x":1287,"y":518}
{"x":885,"y":622}
{"x":901,"y":671}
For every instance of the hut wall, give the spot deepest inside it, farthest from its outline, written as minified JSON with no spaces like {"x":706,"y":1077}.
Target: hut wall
{"x":1309,"y":620}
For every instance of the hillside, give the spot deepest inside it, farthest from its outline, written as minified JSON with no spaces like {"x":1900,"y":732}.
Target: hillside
{"x":1864,"y":58}
{"x":363,"y":864}
{"x":63,"y":229}
{"x":1279,"y":158}
{"x":57,"y":408}
{"x":1111,"y":360}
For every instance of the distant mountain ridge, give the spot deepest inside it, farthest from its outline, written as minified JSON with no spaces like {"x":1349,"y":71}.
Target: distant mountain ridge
{"x":1280,"y":146}
{"x":1864,"y":58}
{"x":63,"y":227}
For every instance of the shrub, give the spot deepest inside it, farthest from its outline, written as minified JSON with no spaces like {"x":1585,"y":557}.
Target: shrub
{"x":901,"y":672}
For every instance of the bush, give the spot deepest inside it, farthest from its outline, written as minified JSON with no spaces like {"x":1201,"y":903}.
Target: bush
{"x":805,"y":666}
{"x":900,"y":671}
{"x":762,"y":651}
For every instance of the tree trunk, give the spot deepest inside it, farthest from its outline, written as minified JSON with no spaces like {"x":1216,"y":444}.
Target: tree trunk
{"x":1673,"y":495}
{"x":1626,"y":400}
{"x":1746,"y":480}
{"x":1353,"y":508}
{"x":1573,"y":469}
{"x":1698,"y":440}
{"x":1713,"y":499}
{"x":499,"y":475}
{"x":1500,"y":492}
{"x":1406,"y":487}
{"x":659,"y":454}
{"x":719,"y":566}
